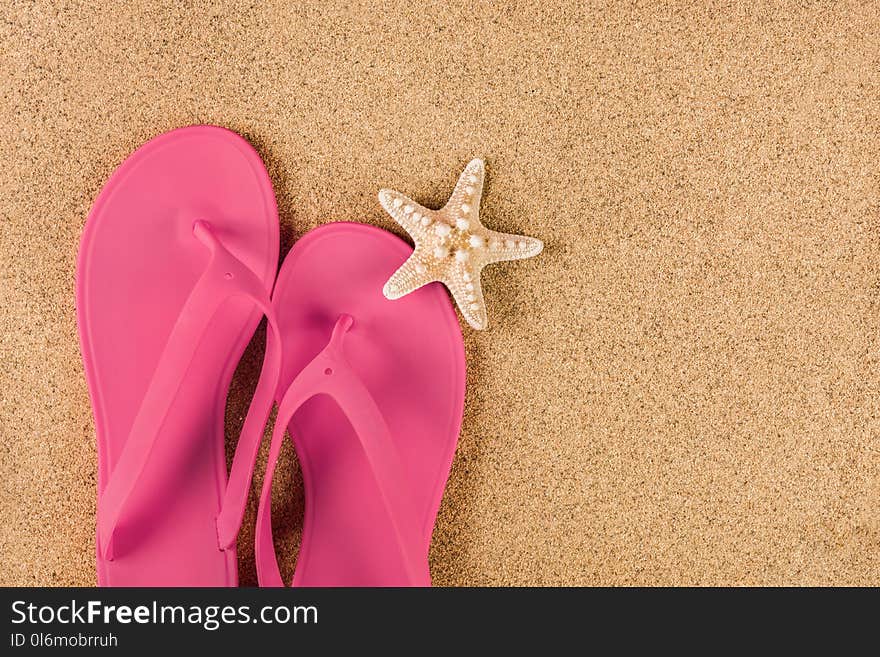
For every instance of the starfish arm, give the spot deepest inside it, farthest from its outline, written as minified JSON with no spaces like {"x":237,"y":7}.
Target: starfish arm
{"x":409,"y":214}
{"x":468,"y":296}
{"x":411,"y":275}
{"x":465,"y":200}
{"x":506,"y":246}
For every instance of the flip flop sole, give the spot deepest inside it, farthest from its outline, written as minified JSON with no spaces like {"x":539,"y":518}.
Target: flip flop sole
{"x":138,"y":262}
{"x":410,"y":355}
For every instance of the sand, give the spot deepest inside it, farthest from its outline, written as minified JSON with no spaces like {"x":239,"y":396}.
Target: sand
{"x":683,"y":389}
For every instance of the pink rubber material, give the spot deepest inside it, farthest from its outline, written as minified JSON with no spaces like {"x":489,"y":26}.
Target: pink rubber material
{"x":175,"y":268}
{"x":372,"y":392}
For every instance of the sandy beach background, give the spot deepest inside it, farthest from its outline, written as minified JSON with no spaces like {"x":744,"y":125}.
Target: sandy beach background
{"x":683,"y":389}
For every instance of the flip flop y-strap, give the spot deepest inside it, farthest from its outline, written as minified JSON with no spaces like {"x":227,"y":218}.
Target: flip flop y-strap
{"x":329,"y":373}
{"x":225,"y":277}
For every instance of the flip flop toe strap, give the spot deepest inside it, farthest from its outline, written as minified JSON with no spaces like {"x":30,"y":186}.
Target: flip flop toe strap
{"x":329,"y":373}
{"x":225,"y":277}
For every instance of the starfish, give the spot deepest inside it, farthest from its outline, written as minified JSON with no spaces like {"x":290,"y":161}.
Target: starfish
{"x":452,"y":245}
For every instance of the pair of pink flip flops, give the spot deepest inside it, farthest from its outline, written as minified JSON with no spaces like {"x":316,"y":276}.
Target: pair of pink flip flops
{"x":177,"y":267}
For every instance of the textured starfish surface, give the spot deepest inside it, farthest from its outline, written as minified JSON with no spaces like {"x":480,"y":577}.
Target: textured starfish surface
{"x":452,"y":246}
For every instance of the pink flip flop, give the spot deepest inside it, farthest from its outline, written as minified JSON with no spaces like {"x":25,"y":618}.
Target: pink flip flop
{"x":372,"y":391}
{"x":175,"y":267}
